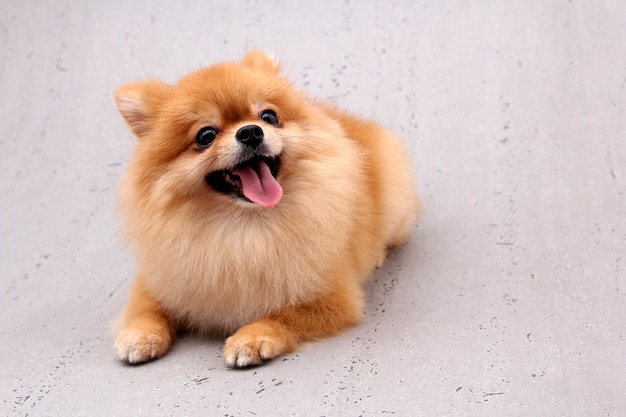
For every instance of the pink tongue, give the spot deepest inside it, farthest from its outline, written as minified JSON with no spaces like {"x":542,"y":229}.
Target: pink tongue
{"x":259,"y":185}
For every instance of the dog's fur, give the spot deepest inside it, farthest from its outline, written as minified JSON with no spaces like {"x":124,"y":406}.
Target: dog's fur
{"x":215,"y":263}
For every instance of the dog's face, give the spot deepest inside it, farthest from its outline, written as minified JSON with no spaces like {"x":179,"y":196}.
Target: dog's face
{"x":225,"y":134}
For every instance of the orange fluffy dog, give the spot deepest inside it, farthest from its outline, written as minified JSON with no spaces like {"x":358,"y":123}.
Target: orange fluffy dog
{"x":254,"y":211}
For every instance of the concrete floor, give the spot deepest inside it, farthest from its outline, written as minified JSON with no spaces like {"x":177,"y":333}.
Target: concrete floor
{"x":509,"y":301}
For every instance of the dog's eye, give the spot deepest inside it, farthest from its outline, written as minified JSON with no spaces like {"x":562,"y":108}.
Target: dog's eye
{"x":205,"y":136}
{"x":269,"y":116}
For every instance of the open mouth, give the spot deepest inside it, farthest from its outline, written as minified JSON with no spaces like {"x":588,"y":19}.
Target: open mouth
{"x":253,"y":181}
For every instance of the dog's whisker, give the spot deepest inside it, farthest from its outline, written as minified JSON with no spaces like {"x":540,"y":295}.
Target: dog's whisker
{"x":206,"y":161}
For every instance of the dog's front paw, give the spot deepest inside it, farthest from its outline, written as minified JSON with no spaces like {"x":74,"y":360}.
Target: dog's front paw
{"x":255,"y":343}
{"x":134,"y":345}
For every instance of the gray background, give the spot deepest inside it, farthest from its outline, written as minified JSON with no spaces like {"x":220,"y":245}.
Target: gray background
{"x":511,"y":298}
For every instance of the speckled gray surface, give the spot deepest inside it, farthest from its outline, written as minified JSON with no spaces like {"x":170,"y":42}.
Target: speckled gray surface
{"x":511,"y":297}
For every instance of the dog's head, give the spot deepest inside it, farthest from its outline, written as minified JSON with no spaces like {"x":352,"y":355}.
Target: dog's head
{"x":227,"y":133}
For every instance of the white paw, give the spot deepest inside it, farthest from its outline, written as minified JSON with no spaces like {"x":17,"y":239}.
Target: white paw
{"x":245,"y":350}
{"x":136,"y":346}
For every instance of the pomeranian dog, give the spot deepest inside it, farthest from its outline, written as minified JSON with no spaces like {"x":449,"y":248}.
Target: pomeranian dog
{"x":254,"y":211}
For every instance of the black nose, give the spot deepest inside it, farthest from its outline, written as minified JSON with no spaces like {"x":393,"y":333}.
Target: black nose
{"x":251,"y":135}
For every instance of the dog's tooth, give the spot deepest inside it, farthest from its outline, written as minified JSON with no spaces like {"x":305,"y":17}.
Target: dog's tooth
{"x":229,"y":179}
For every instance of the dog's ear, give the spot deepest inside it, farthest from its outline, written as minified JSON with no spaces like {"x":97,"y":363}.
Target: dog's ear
{"x":262,"y":61}
{"x":139,"y":102}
